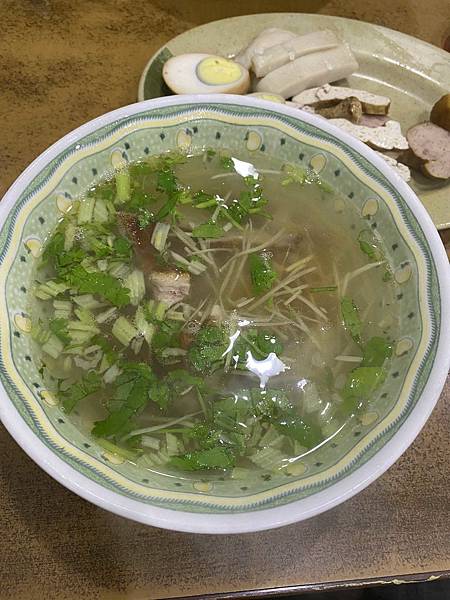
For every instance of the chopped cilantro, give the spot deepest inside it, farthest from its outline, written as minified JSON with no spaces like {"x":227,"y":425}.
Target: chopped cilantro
{"x":360,"y":385}
{"x":100,"y":283}
{"x":145,"y":217}
{"x":59,"y":328}
{"x":166,"y":181}
{"x":226,"y":162}
{"x":132,"y":389}
{"x":376,"y":352}
{"x":262,"y":273}
{"x":350,"y":316}
{"x":88,"y":385}
{"x":211,"y":458}
{"x":206,"y":352}
{"x":207,"y":230}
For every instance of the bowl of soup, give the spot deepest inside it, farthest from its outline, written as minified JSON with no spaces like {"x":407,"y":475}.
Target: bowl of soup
{"x":219,"y":314}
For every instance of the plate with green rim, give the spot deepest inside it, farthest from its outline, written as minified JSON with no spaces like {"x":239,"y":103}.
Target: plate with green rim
{"x":413,"y":73}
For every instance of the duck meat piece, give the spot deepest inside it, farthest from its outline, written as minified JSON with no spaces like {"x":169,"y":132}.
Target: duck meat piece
{"x":169,"y":287}
{"x":145,"y":253}
{"x":128,"y":224}
{"x":188,"y":333}
{"x":350,"y":109}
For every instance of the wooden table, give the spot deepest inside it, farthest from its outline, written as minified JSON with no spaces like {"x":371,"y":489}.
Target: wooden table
{"x":62,"y":63}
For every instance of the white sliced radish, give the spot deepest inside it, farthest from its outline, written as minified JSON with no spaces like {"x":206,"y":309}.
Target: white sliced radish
{"x":205,"y":74}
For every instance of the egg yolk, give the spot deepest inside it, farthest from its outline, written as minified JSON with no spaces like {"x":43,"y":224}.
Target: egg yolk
{"x":215,"y":70}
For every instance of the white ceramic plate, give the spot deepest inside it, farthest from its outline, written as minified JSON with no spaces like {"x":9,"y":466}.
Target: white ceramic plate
{"x":411,"y":72}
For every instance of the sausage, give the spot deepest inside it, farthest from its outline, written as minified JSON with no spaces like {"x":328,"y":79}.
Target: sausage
{"x":430,"y":144}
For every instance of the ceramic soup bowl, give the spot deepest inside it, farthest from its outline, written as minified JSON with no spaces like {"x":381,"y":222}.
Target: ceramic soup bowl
{"x":331,"y":474}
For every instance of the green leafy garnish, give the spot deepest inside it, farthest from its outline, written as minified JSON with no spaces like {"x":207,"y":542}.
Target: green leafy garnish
{"x":203,"y":200}
{"x":166,"y":182}
{"x":360,"y":385}
{"x":131,"y":393}
{"x":59,"y":328}
{"x":303,"y":176}
{"x":211,"y":458}
{"x":88,"y":385}
{"x":59,"y":258}
{"x":260,"y":343}
{"x":294,"y":175}
{"x":350,"y":316}
{"x":206,"y":352}
{"x":208,"y":230}
{"x":166,"y":336}
{"x":306,"y":433}
{"x":100,"y":283}
{"x":145,"y":217}
{"x":226,"y":162}
{"x":251,"y":201}
{"x":107,"y":348}
{"x":180,"y":379}
{"x":160,"y":393}
{"x":376,"y":352}
{"x":368,"y":247}
{"x":262,"y":273}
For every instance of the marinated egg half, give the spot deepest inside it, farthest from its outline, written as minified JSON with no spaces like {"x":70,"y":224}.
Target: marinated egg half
{"x":205,"y":74}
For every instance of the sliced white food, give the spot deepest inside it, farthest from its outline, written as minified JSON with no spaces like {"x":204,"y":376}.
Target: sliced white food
{"x":264,"y":40}
{"x":374,"y":120}
{"x":372,"y":104}
{"x":387,"y":137}
{"x":399,"y":168}
{"x":287,"y":51}
{"x":205,"y":74}
{"x":309,"y":71}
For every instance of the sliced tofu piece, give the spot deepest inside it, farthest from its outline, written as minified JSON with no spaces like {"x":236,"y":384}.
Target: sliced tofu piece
{"x":309,"y":71}
{"x":388,"y":137}
{"x":169,"y":286}
{"x":287,"y":51}
{"x":374,"y":120}
{"x":327,"y":95}
{"x":398,"y":167}
{"x":264,"y":40}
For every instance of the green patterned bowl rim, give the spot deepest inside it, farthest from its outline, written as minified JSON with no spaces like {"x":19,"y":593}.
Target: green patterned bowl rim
{"x":180,"y":511}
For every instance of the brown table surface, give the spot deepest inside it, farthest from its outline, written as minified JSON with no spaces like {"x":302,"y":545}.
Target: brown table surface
{"x":62,"y":63}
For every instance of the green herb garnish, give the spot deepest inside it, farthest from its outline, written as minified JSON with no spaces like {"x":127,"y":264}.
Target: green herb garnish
{"x":212,"y":458}
{"x":206,"y":352}
{"x":208,"y":230}
{"x":132,"y":389}
{"x":88,"y":385}
{"x":262,"y":273}
{"x":103,"y":284}
{"x":350,"y":316}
